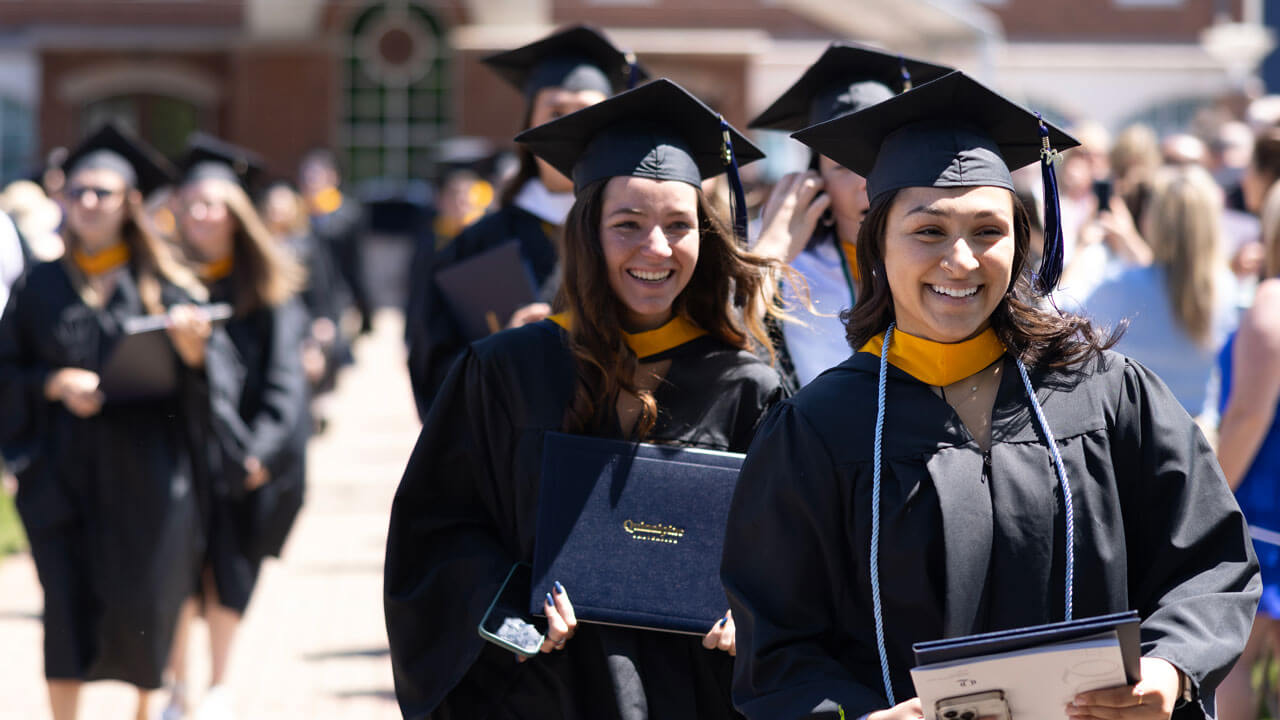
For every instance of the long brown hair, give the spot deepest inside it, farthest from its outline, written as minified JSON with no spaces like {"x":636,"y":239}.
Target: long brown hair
{"x":152,"y":259}
{"x":1271,"y":233}
{"x":1182,"y":224}
{"x":724,"y":297}
{"x":1029,"y":331}
{"x":264,"y":275}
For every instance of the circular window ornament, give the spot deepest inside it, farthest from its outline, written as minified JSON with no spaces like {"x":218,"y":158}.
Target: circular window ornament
{"x":396,"y":49}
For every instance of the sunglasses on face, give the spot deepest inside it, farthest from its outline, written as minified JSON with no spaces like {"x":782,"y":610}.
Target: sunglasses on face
{"x":102,"y":195}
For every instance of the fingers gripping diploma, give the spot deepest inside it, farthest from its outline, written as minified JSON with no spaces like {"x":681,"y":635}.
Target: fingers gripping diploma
{"x":1152,"y":698}
{"x":561,"y":622}
{"x":722,"y":635}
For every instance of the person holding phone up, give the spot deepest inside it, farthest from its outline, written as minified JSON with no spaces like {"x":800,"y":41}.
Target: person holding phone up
{"x":812,"y":218}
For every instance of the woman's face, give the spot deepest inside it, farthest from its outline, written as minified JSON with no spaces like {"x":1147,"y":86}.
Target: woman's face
{"x":649,"y":236}
{"x":848,"y":192}
{"x":280,"y":210}
{"x":96,"y":207}
{"x":548,"y":104}
{"x":206,"y":222}
{"x":948,"y":257}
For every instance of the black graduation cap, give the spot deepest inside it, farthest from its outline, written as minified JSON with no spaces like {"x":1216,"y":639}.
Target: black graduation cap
{"x":659,"y":131}
{"x":952,"y":132}
{"x":576,"y":58}
{"x":111,"y":147}
{"x":208,"y":156}
{"x":847,"y":78}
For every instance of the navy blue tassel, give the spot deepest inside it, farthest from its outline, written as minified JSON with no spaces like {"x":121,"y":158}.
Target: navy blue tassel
{"x":737,"y":196}
{"x":633,"y":71}
{"x":906,"y":74}
{"x":1051,"y":263}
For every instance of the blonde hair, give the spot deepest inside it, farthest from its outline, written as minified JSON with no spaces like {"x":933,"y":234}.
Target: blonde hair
{"x":1183,"y":225}
{"x":264,"y":274}
{"x":152,"y":259}
{"x":1136,"y":151}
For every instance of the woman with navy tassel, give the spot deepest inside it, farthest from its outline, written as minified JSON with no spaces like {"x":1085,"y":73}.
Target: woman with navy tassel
{"x":1014,"y":473}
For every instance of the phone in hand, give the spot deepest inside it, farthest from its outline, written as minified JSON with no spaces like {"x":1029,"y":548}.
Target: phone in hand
{"x":989,"y":705}
{"x":505,"y":624}
{"x":1102,"y":191}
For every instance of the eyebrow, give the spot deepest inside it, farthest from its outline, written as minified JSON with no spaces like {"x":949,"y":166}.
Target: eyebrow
{"x":928,"y":210}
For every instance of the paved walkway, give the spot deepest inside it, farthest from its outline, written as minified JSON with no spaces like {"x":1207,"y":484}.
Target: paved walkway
{"x":313,"y":644}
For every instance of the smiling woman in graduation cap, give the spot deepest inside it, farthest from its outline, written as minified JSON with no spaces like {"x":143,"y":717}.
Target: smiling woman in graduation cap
{"x":106,"y":472}
{"x":1015,"y":472}
{"x":651,"y":347}
{"x":563,"y":72}
{"x":812,"y":218}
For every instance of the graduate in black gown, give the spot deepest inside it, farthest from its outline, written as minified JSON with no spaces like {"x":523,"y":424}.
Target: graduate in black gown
{"x":107,"y":478}
{"x":561,"y":73}
{"x":651,"y":347}
{"x":973,"y":526}
{"x":812,"y":218}
{"x":338,"y":224}
{"x":258,"y":392}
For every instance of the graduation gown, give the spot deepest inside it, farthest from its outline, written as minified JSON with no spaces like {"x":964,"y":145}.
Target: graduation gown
{"x":465,"y":512}
{"x":972,"y":541}
{"x":260,"y":403}
{"x":435,"y":340}
{"x":109,"y":501}
{"x":340,"y":233}
{"x":320,"y":298}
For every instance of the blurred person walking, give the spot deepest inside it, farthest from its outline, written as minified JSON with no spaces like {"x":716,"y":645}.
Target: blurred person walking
{"x":338,"y":224}
{"x":259,"y":397}
{"x":563,"y":72}
{"x":106,"y":478}
{"x":1180,"y":308}
{"x":1249,"y":450}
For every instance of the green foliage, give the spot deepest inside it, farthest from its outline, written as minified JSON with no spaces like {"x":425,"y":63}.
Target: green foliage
{"x":12,"y":539}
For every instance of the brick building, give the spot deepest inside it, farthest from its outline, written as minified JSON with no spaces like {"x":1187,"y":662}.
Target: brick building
{"x":383,"y":81}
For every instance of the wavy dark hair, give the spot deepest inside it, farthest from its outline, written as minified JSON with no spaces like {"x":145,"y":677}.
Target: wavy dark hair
{"x":725,"y":297}
{"x":1031,"y":331}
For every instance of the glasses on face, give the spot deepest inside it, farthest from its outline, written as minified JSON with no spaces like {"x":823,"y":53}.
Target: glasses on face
{"x":106,"y":198}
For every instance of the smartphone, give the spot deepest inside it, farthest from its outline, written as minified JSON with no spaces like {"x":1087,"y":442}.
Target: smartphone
{"x":505,"y":624}
{"x":1102,"y":191}
{"x":986,"y":705}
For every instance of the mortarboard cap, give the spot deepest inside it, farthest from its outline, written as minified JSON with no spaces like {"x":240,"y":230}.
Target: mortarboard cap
{"x":847,"y":78}
{"x":208,"y":156}
{"x":658,"y":131}
{"x":111,"y":147}
{"x":576,"y":58}
{"x":952,"y":132}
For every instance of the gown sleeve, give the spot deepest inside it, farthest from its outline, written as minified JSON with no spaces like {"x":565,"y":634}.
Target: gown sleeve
{"x":274,"y":429}
{"x":445,"y":559}
{"x":22,"y":374}
{"x":434,"y":340}
{"x":1193,"y":575}
{"x":788,"y":603}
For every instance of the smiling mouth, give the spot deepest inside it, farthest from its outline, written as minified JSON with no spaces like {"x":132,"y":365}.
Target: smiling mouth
{"x":651,"y":276}
{"x":955,"y":292}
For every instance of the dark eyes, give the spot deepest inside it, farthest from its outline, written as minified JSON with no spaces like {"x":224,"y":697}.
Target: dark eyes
{"x":933,"y":231}
{"x":678,"y":226}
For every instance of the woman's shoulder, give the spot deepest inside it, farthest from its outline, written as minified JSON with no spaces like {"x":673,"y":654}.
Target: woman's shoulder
{"x":525,"y":345}
{"x":1263,"y":318}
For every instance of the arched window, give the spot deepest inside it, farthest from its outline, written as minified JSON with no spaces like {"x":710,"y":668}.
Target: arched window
{"x":396,"y":92}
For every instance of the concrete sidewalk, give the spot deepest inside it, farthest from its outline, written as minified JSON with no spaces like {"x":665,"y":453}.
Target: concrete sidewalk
{"x":313,"y":644}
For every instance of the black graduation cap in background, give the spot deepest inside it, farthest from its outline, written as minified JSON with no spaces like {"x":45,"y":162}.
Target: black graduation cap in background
{"x":576,"y":58}
{"x":952,"y":132}
{"x":659,"y":131}
{"x":847,"y":78}
{"x":111,"y":147}
{"x":208,"y":156}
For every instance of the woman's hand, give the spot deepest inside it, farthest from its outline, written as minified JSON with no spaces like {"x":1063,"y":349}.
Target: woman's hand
{"x":189,"y":329}
{"x":561,"y":622}
{"x":1152,"y":698}
{"x":531,"y":313}
{"x":908,"y":710}
{"x":722,"y":635}
{"x":255,"y":475}
{"x":77,"y":389}
{"x":790,"y":216}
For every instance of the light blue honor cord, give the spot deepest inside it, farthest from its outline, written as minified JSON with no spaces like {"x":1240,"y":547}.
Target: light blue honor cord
{"x":875,"y":502}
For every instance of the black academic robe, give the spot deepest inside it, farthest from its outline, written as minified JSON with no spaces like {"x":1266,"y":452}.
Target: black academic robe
{"x":436,"y":342}
{"x":341,"y":233}
{"x":108,"y":502}
{"x":320,"y":298}
{"x":465,"y":512}
{"x":260,"y":409}
{"x":972,"y":541}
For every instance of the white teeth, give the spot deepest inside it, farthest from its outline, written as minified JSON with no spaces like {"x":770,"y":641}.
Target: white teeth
{"x":650,"y":276}
{"x":953,"y":292}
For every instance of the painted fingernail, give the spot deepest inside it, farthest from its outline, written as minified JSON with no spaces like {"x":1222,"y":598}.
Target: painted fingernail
{"x":724,"y":620}
{"x":549,"y":600}
{"x":559,"y":588}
